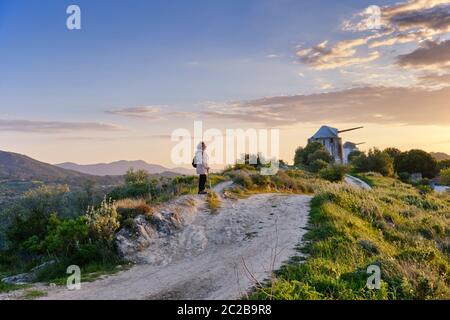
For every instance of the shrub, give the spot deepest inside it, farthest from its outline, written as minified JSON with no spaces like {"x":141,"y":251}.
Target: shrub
{"x":376,"y":161}
{"x":318,"y":165}
{"x":312,"y":152}
{"x":334,"y":173}
{"x":416,"y":161}
{"x":213,"y":201}
{"x":103,"y":221}
{"x":445,"y":176}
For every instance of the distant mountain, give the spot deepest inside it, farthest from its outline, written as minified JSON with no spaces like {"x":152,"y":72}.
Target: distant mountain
{"x":439,"y":156}
{"x":121,"y":167}
{"x":14,"y":166}
{"x":21,"y":167}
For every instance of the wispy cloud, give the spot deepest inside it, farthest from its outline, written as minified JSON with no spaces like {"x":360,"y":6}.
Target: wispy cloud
{"x":408,"y":22}
{"x":150,"y":113}
{"x":377,"y":105}
{"x":54,"y":126}
{"x":342,"y":54}
{"x":431,"y":55}
{"x":147,"y":112}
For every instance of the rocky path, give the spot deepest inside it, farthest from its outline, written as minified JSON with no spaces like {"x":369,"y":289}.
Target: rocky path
{"x":215,"y":256}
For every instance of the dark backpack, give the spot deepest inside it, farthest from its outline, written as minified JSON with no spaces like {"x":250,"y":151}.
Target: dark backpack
{"x":193,"y":161}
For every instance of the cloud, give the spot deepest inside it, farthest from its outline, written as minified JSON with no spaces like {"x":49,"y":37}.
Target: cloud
{"x":54,"y":126}
{"x":414,"y":21}
{"x":377,"y":105}
{"x":435,"y":80}
{"x":343,"y":53}
{"x":148,"y":112}
{"x":431,"y":55}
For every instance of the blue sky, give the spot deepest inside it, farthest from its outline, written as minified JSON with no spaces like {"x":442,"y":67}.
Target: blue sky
{"x":155,"y":52}
{"x":174,"y":56}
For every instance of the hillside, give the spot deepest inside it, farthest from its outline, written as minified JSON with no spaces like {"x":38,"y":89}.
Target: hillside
{"x":120,"y":168}
{"x":440,"y":156}
{"x":14,"y":166}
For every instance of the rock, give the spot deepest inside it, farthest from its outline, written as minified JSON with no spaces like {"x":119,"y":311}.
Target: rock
{"x":165,"y":221}
{"x":25,"y":278}
{"x":22,"y":278}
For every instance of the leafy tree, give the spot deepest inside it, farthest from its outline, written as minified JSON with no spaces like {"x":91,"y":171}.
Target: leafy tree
{"x":445,"y":176}
{"x":376,"y":161}
{"x":444,"y":164}
{"x":136,"y":177}
{"x":354,"y":154}
{"x":313,"y":151}
{"x":380,"y":161}
{"x":392,"y":152}
{"x":318,"y":165}
{"x":416,"y":161}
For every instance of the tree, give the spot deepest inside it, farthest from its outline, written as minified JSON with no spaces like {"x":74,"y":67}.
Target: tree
{"x":392,"y":152}
{"x":445,"y":176}
{"x":313,"y":151}
{"x":381,"y":162}
{"x":444,"y":164}
{"x":136,"y":177}
{"x":376,"y":161}
{"x":416,"y":161}
{"x":353,"y":155}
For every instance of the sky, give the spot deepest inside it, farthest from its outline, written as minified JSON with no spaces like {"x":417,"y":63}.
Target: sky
{"x":137,"y":70}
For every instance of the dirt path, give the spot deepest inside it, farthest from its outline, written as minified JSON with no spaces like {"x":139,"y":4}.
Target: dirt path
{"x":216,"y":256}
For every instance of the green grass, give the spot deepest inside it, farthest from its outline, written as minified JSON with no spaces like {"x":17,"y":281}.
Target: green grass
{"x":33,"y":294}
{"x":393,"y":226}
{"x":213,"y":202}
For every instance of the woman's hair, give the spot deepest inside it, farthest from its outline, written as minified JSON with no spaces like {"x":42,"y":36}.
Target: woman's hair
{"x":201,"y":145}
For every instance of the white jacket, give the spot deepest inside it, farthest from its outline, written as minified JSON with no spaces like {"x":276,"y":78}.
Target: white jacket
{"x":202,"y":161}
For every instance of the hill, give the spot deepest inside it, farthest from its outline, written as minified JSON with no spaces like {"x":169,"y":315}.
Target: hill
{"x":440,"y":156}
{"x":121,"y":167}
{"x":14,"y":166}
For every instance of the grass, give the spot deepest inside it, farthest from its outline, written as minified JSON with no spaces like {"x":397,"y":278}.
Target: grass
{"x":33,"y":294}
{"x":213,"y":202}
{"x":250,"y":182}
{"x":406,"y":234}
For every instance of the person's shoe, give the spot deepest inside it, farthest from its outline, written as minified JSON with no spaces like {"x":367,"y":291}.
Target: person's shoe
{"x":203,"y":192}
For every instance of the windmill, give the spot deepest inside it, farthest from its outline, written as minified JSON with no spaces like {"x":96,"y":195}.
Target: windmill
{"x":331,"y":140}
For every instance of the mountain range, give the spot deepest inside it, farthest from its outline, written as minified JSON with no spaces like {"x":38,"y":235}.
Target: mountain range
{"x":121,"y":167}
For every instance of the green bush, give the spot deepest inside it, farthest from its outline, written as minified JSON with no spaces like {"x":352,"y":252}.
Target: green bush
{"x":445,"y":176}
{"x":334,"y":173}
{"x":313,"y":151}
{"x":103,"y":221}
{"x":376,"y":161}
{"x":318,"y":165}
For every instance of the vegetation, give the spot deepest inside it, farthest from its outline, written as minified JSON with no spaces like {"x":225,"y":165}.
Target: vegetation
{"x":213,"y":201}
{"x":374,"y":161}
{"x":416,"y":161}
{"x":307,"y":156}
{"x":334,"y":173}
{"x":445,"y":176}
{"x":395,"y":227}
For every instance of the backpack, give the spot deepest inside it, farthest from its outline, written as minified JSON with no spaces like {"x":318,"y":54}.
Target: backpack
{"x":194,"y":164}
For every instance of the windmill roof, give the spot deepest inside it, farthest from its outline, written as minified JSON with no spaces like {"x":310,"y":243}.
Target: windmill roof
{"x":349,"y":145}
{"x":326,"y":132}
